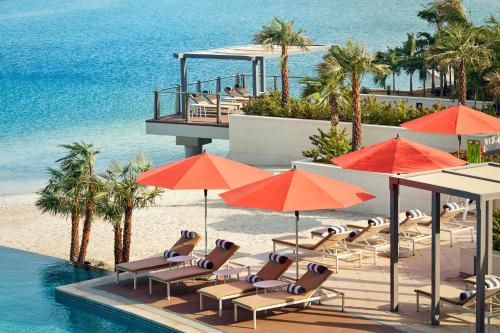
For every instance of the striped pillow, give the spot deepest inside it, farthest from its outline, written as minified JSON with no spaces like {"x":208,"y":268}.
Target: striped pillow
{"x":252,"y":278}
{"x":353,"y":234}
{"x":451,"y":206}
{"x":337,"y":229}
{"x":188,"y":234}
{"x":492,"y":283}
{"x":279,"y":259}
{"x":414,"y":213}
{"x":320,"y":269}
{"x":206,"y":264}
{"x":467,"y":294}
{"x":224,"y":244}
{"x":295,"y":289}
{"x":169,"y":254}
{"x":375,"y":221}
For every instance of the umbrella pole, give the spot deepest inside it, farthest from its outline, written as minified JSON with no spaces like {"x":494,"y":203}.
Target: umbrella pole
{"x":205,"y":192}
{"x":296,"y":245}
{"x":459,"y":144}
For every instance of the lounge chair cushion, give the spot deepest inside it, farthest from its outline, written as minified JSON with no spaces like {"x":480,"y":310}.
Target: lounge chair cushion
{"x":337,"y":229}
{"x":320,"y":269}
{"x":448,"y":293}
{"x":252,"y":278}
{"x":227,"y":289}
{"x":451,"y":206}
{"x":414,"y":213}
{"x":223,"y":244}
{"x":304,"y":242}
{"x":206,"y":264}
{"x":180,"y":273}
{"x":279,"y":259}
{"x":264,"y":300}
{"x":169,"y":254}
{"x":374,"y":221}
{"x":492,"y":283}
{"x":188,"y":234}
{"x":295,"y":289}
{"x":147,"y":264}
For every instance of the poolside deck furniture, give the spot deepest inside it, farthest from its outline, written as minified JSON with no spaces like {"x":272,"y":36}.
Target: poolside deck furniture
{"x":242,"y":91}
{"x":212,"y":99}
{"x":465,"y":300}
{"x":370,"y":237}
{"x":449,"y":223}
{"x":272,"y":270}
{"x":332,"y":246}
{"x":305,"y":290}
{"x":203,"y":106}
{"x":217,"y":257}
{"x":183,"y":247}
{"x":235,"y":95}
{"x":410,"y":231}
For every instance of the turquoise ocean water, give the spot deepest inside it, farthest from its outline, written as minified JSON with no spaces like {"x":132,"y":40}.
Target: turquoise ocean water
{"x":85,"y":70}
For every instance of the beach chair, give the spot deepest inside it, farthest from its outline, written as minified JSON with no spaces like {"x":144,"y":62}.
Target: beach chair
{"x":204,"y":267}
{"x":212,"y":99}
{"x":304,"y":291}
{"x":409,"y":229}
{"x":202,"y":106}
{"x":333,"y":245}
{"x":183,"y":247}
{"x":242,"y":91}
{"x":449,"y":223}
{"x":234,"y":95}
{"x":465,"y":300}
{"x":275,"y":267}
{"x":370,"y":237}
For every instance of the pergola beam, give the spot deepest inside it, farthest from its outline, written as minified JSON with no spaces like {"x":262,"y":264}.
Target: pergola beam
{"x":481,"y":263}
{"x":394,"y":268}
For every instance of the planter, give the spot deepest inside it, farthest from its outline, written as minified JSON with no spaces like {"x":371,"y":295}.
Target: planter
{"x":467,"y":261}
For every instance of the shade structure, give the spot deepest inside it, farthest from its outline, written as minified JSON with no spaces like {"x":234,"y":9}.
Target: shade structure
{"x":456,"y":120}
{"x":296,"y":190}
{"x":397,"y":155}
{"x":202,"y":172}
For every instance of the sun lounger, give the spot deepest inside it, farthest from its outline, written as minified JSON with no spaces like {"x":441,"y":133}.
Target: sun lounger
{"x":448,"y":222}
{"x":242,"y":91}
{"x":410,"y":231}
{"x":235,"y":95}
{"x":370,"y":237}
{"x":332,"y":246}
{"x":204,"y":268}
{"x":272,"y":270}
{"x":212,"y":99}
{"x":183,"y":247}
{"x":306,"y":290}
{"x":465,"y":300}
{"x":203,"y":105}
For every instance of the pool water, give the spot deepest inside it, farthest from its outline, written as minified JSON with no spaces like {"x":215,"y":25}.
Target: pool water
{"x":27,"y":297}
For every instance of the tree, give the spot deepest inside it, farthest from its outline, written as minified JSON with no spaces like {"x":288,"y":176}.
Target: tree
{"x":408,"y":54}
{"x":327,"y":89}
{"x":281,"y":33}
{"x":122,"y":196}
{"x":80,"y":162}
{"x":392,"y":59}
{"x":352,"y":62}
{"x":459,"y":46}
{"x":443,"y":12}
{"x":424,"y":42}
{"x":63,"y":196}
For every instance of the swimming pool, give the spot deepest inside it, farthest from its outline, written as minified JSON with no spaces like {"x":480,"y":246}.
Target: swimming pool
{"x":27,"y":297}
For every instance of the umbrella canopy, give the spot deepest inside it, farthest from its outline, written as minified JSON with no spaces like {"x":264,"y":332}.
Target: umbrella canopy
{"x":202,"y":172}
{"x":397,"y":155}
{"x":455,"y":120}
{"x":296,"y":190}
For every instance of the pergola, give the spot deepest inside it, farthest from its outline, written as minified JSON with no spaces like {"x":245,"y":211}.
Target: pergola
{"x":478,"y":182}
{"x":255,"y":53}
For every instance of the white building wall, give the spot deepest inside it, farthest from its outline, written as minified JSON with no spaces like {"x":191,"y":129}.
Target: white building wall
{"x":425,"y":101}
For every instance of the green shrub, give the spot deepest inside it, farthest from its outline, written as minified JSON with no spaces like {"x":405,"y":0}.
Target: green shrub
{"x":496,"y":230}
{"x":328,"y":145}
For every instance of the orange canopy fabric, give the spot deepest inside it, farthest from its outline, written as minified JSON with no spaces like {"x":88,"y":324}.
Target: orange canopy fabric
{"x":456,"y":120}
{"x":202,"y":172}
{"x":397,"y":156}
{"x":296,"y":190}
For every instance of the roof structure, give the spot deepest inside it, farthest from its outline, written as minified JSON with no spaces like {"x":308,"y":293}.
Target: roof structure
{"x":475,"y":181}
{"x":247,"y":52}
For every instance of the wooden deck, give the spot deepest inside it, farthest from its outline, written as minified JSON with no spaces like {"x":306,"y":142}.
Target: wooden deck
{"x":209,"y":120}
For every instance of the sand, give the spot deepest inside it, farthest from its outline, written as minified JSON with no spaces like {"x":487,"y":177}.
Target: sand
{"x":22,"y":226}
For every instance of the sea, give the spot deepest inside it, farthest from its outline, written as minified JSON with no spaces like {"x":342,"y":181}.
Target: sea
{"x":85,"y":70}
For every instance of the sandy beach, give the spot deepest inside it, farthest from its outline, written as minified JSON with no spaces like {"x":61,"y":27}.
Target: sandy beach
{"x":22,"y":226}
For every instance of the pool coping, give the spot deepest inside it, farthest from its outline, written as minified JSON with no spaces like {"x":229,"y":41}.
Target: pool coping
{"x":88,"y":290}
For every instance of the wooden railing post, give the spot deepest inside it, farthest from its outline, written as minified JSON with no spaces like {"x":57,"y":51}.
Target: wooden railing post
{"x":178,"y":99}
{"x":156,"y":105}
{"x":218,"y":109}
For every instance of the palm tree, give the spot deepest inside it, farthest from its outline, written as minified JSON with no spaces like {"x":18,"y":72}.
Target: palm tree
{"x":80,"y":160}
{"x":281,"y":33}
{"x":408,"y":54}
{"x":352,"y":62}
{"x":392,"y":59}
{"x":493,"y":79}
{"x":326,"y":89}
{"x":63,"y":196}
{"x":424,"y":42}
{"x":459,"y":46}
{"x":443,"y":12}
{"x":124,"y":195}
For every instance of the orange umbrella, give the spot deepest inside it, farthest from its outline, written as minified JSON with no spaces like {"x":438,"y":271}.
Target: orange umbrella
{"x":202,"y":172}
{"x":296,"y":190}
{"x":456,"y":120}
{"x":397,"y":156}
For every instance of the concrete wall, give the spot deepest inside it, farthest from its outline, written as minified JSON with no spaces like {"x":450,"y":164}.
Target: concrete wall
{"x":374,"y":183}
{"x":426,"y":101}
{"x":270,"y":141}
